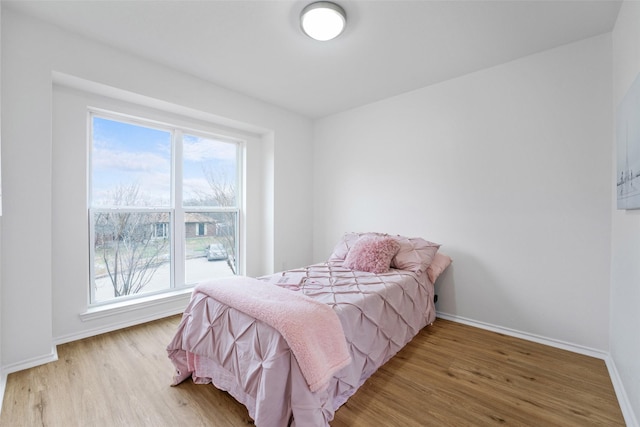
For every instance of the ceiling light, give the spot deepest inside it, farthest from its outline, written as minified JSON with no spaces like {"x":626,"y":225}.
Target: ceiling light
{"x":323,"y":20}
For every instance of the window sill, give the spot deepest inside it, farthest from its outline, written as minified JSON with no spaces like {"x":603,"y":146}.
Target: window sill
{"x":178,"y":298}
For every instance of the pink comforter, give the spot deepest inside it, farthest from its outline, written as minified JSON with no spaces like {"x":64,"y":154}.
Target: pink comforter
{"x":312,"y":329}
{"x":253,"y":362}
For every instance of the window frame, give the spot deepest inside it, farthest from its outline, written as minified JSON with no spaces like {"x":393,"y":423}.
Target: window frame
{"x":176,"y":210}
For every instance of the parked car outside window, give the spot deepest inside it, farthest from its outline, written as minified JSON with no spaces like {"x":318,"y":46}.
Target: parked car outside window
{"x":216,"y":251}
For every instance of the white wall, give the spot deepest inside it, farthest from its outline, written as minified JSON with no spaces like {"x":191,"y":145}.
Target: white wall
{"x":32,"y":267}
{"x":2,"y":375}
{"x":509,"y":168}
{"x":625,"y":266}
{"x":26,"y":168}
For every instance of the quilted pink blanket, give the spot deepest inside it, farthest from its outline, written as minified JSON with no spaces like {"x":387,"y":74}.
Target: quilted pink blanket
{"x":311,"y":328}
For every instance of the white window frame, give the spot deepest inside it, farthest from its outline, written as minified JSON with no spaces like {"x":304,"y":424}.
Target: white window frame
{"x":176,"y":210}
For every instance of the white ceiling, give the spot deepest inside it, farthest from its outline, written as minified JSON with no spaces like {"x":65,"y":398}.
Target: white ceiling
{"x":389,"y":47}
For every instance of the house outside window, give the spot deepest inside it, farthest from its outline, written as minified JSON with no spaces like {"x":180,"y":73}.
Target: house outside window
{"x":158,"y":195}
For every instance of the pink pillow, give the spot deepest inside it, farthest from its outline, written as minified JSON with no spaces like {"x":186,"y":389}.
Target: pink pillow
{"x":371,"y":253}
{"x":415,"y":254}
{"x":439,"y":264}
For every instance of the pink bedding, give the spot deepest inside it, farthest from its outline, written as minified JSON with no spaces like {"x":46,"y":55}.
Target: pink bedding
{"x":254,"y":363}
{"x":311,"y":328}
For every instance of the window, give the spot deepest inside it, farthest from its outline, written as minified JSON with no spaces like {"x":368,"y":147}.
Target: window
{"x":163,"y":206}
{"x":161,"y":230}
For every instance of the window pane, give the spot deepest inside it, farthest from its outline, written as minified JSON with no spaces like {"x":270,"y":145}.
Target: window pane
{"x":130,"y":165}
{"x":209,"y":172}
{"x":213,"y":253}
{"x":131,"y":253}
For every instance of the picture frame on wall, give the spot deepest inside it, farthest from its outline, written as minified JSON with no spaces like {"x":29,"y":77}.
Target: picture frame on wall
{"x":628,"y":148}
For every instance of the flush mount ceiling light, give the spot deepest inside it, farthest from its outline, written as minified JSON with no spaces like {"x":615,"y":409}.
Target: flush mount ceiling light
{"x":323,"y":20}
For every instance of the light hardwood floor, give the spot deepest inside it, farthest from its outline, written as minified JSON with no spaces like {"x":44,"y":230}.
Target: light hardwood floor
{"x":449,"y":375}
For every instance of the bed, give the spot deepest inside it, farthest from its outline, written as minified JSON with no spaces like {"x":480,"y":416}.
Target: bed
{"x":381,"y":295}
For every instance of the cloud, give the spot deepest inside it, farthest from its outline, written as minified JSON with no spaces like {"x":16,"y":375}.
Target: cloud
{"x":198,"y":149}
{"x":150,"y":168}
{"x":115,"y":160}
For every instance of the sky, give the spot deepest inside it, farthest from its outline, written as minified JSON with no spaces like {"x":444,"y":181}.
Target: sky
{"x":125,"y":154}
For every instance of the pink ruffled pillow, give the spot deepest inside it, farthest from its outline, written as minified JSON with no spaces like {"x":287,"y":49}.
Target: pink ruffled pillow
{"x":372,"y":254}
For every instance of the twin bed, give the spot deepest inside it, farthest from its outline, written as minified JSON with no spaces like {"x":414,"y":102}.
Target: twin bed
{"x":353,"y":313}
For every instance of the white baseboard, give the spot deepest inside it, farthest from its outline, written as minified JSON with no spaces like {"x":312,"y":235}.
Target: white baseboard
{"x":599,"y":354}
{"x":30,"y":363}
{"x":3,"y":386}
{"x":623,"y":400}
{"x":621,"y":394}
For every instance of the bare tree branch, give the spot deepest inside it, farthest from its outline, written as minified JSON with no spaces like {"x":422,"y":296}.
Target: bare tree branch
{"x":130,"y":249}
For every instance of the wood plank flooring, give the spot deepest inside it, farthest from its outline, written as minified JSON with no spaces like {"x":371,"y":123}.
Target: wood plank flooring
{"x":449,"y":375}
